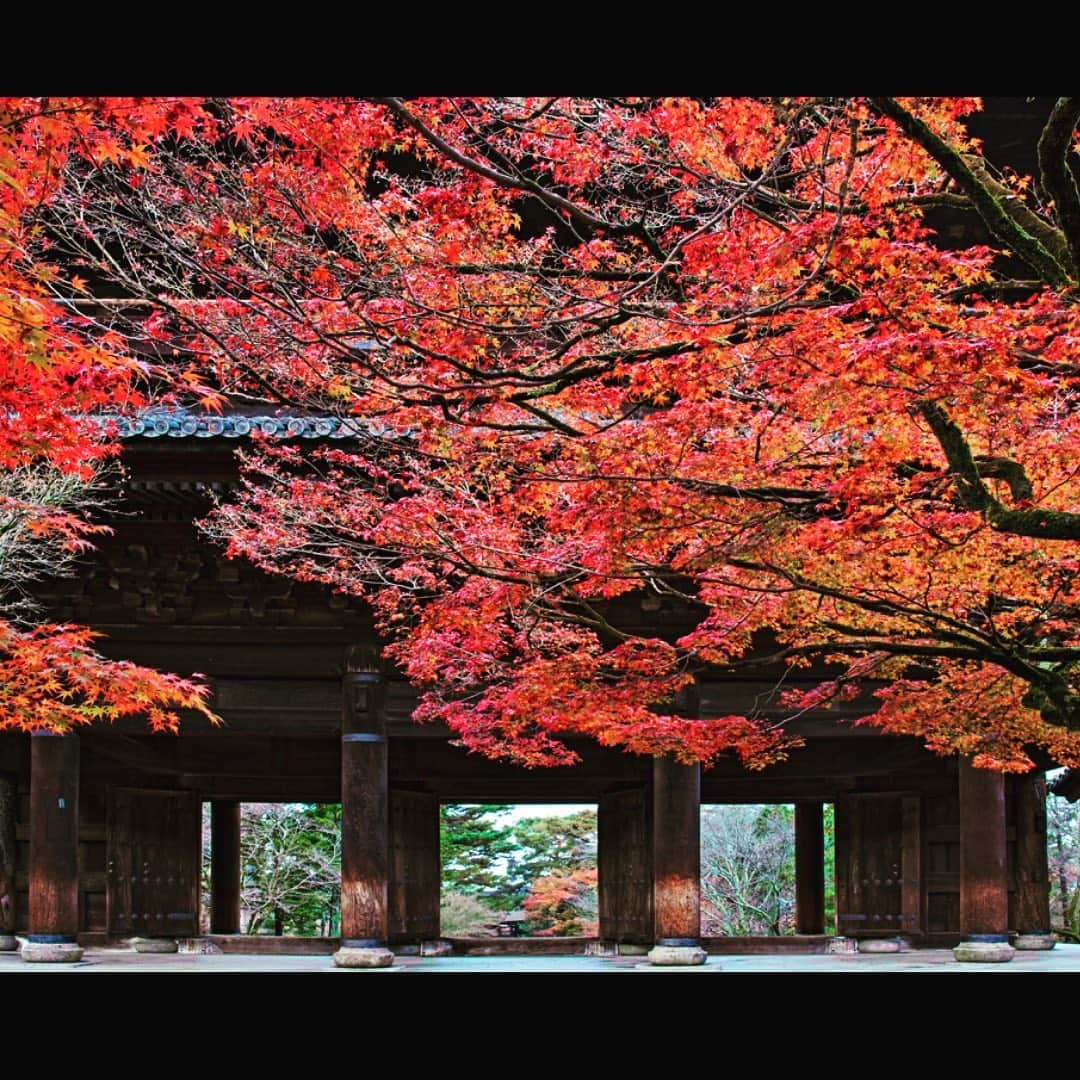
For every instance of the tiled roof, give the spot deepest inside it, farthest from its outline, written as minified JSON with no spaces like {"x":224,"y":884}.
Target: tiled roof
{"x":181,"y":424}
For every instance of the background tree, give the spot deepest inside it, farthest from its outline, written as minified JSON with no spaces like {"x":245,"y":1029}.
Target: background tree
{"x":475,"y":848}
{"x":1063,"y":845}
{"x":707,"y":349}
{"x":291,"y":861}
{"x":563,"y":903}
{"x":545,"y":866}
{"x":747,"y":870}
{"x":554,"y":873}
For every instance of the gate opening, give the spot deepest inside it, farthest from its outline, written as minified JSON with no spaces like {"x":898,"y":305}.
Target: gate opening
{"x":518,"y":870}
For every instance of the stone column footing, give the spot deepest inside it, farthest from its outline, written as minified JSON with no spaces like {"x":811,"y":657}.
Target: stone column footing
{"x":436,"y":948}
{"x":155,"y":945}
{"x":879,"y":945}
{"x":51,"y":949}
{"x":984,"y":949}
{"x":363,"y":956}
{"x":601,"y":948}
{"x":662,"y":955}
{"x":839,"y":944}
{"x":1034,"y":941}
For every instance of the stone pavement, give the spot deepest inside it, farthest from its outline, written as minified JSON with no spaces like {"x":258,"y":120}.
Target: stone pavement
{"x":918,"y":961}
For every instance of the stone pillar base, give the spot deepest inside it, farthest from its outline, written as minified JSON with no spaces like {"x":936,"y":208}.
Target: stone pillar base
{"x":601,"y":948}
{"x":436,"y":948}
{"x":366,"y":956}
{"x":8,"y":942}
{"x":677,"y":956}
{"x":1033,"y":942}
{"x":57,"y":951}
{"x":155,"y":945}
{"x":984,"y":949}
{"x":839,"y":944}
{"x":879,"y":945}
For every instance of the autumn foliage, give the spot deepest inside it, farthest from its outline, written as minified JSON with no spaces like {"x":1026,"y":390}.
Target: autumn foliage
{"x":57,"y":373}
{"x":712,"y":354}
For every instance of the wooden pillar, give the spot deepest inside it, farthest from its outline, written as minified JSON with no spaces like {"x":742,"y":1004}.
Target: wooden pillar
{"x":365,"y":854}
{"x":1032,"y":867}
{"x":225,"y":870}
{"x":676,"y":853}
{"x":809,"y":868}
{"x":7,"y":864}
{"x":984,"y":895}
{"x":54,"y":847}
{"x":842,"y":850}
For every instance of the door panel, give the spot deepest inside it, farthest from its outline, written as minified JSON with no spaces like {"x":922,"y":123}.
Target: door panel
{"x":153,"y":863}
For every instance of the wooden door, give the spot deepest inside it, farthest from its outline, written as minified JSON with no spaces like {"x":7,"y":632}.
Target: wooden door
{"x":624,"y":854}
{"x":869,"y":865}
{"x":154,"y":860}
{"x":415,"y":867}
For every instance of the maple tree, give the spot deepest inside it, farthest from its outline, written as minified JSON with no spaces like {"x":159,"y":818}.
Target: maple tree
{"x":56,"y":373}
{"x":706,"y":352}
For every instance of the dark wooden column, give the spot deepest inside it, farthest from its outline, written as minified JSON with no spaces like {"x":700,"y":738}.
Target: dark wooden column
{"x":225,"y":871}
{"x":809,"y":868}
{"x":984,"y":889}
{"x":676,"y":852}
{"x":365,"y":860}
{"x":984,"y":896}
{"x":7,"y":864}
{"x":54,"y":838}
{"x":1032,"y":869}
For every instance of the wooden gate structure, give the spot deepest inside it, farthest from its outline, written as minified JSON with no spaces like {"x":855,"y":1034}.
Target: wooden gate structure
{"x":99,"y":831}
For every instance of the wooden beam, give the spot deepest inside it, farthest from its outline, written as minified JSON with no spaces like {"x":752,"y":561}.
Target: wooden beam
{"x":809,"y":868}
{"x":1032,"y":868}
{"x":676,"y":852}
{"x":364,"y":813}
{"x":225,"y":869}
{"x":984,"y":896}
{"x":54,"y":837}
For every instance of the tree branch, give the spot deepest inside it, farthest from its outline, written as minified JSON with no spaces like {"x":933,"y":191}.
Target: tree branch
{"x":1043,"y":524}
{"x":1000,"y":222}
{"x":1058,"y":179}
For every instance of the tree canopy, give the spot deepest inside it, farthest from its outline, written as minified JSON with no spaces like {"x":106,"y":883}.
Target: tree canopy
{"x":711,"y":353}
{"x":56,"y":374}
